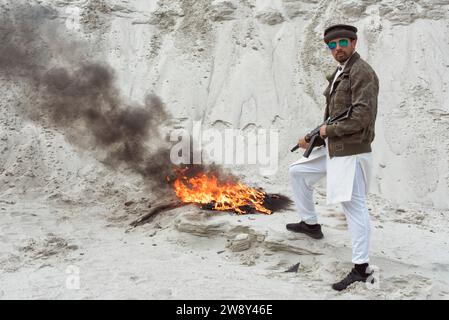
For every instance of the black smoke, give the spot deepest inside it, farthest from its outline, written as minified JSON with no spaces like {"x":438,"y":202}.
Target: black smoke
{"x":78,"y":95}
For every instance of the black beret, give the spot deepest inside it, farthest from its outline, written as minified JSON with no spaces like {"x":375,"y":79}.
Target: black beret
{"x":340,"y":31}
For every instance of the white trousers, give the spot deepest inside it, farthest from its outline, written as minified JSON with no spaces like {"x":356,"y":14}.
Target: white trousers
{"x":304,"y":175}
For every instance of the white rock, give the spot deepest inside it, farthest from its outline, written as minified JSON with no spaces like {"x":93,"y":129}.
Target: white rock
{"x":222,"y":10}
{"x":270,"y":16}
{"x":241,"y":242}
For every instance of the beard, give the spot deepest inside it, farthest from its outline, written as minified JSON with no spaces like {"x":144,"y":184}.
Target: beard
{"x":341,"y":56}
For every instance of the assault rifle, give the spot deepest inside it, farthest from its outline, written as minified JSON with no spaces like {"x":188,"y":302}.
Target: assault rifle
{"x":313,"y":137}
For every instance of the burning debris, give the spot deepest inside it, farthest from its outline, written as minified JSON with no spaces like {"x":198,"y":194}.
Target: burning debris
{"x":212,"y":189}
{"x":225,"y":194}
{"x":205,"y":189}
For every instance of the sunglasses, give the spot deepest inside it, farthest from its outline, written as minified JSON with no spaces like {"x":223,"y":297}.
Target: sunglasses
{"x":342,"y":42}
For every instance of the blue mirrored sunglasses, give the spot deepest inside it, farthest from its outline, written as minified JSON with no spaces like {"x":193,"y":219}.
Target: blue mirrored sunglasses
{"x":342,"y":42}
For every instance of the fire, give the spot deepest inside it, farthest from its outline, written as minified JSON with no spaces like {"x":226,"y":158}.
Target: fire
{"x":206,"y":189}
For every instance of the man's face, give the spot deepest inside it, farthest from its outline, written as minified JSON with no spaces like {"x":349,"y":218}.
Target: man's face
{"x":342,"y":52}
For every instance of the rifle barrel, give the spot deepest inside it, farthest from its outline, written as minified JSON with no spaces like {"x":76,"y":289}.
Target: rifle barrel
{"x":294,"y":148}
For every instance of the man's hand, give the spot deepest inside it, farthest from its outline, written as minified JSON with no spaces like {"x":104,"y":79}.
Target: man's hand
{"x":302,"y":143}
{"x":323,"y":131}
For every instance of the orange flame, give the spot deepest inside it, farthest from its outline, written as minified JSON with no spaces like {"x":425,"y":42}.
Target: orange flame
{"x":206,"y":189}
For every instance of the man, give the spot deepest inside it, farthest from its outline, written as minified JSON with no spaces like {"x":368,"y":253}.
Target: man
{"x":346,"y":158}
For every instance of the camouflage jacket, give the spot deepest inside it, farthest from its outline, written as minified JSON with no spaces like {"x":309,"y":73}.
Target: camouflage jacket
{"x":357,"y":85}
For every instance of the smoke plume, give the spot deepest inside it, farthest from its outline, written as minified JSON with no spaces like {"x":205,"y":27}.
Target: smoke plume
{"x":78,"y":95}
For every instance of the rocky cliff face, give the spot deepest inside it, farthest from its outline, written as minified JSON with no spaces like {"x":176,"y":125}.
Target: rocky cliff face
{"x":247,"y":65}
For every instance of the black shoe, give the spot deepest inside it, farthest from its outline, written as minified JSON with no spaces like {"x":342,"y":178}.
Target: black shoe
{"x":353,"y":276}
{"x":313,"y":231}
